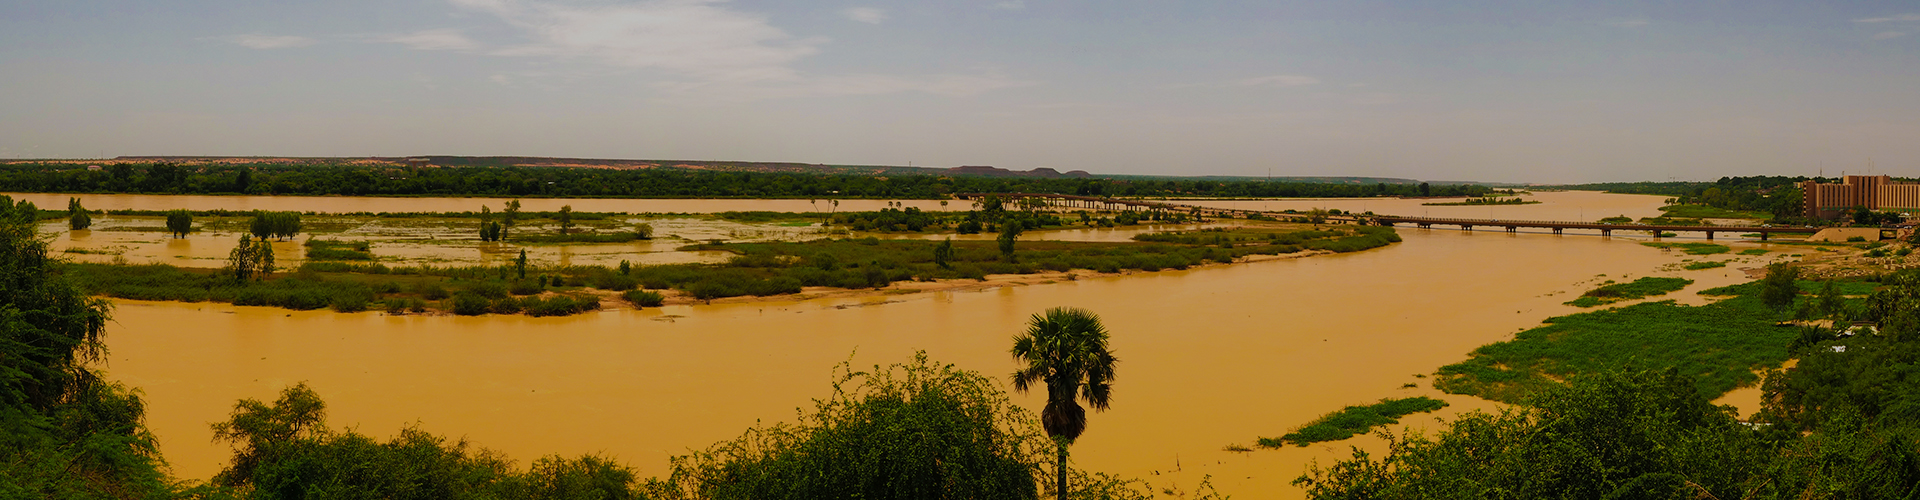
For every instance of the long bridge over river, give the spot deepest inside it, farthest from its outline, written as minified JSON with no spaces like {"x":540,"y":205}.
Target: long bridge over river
{"x":1511,"y":226}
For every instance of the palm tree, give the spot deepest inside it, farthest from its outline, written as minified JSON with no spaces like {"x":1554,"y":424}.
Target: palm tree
{"x":1065,"y":347}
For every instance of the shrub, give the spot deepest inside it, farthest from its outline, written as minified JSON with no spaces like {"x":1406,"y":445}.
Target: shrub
{"x":643,"y":298}
{"x":526,"y":287}
{"x":471,"y":304}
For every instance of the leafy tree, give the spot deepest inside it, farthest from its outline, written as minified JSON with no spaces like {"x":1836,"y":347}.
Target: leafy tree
{"x":65,"y":432}
{"x":520,"y":264}
{"x":1829,"y":303}
{"x":1065,"y":348}
{"x":77,"y":217}
{"x":179,"y":222}
{"x":1426,"y":190}
{"x":1009,"y":234}
{"x":282,"y":225}
{"x":251,"y":259}
{"x":566,"y":219}
{"x":489,"y":230}
{"x":508,"y":218}
{"x":243,"y":181}
{"x":911,"y":431}
{"x":1780,"y":287}
{"x":943,"y":254}
{"x":285,"y":450}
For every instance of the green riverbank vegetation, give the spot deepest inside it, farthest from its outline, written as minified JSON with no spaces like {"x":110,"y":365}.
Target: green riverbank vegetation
{"x":757,"y":269}
{"x":1640,"y":288}
{"x":1691,"y":248}
{"x":1841,"y":423}
{"x":1354,"y":420}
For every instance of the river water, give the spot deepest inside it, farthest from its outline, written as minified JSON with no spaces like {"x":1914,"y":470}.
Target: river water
{"x":1210,"y":357}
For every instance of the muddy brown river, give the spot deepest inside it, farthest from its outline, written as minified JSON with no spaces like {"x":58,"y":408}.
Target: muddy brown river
{"x":1209,"y":357}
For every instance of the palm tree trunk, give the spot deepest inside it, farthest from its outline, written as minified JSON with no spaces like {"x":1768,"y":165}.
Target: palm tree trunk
{"x":1062,"y":475}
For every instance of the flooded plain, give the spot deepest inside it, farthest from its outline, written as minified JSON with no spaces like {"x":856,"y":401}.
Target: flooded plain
{"x":1210,"y":357}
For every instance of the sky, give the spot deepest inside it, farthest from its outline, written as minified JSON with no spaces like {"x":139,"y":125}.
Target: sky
{"x":1520,"y":91}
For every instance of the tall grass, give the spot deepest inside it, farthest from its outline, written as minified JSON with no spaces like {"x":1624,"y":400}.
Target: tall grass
{"x":1643,"y":287}
{"x":1354,"y":420}
{"x":1717,"y":346}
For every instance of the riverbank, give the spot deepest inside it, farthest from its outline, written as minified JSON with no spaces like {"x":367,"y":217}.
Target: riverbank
{"x":758,"y":269}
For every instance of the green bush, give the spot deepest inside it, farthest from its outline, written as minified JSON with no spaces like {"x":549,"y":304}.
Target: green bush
{"x":471,"y":304}
{"x":1354,"y":420}
{"x":917,"y":430}
{"x":643,"y":298}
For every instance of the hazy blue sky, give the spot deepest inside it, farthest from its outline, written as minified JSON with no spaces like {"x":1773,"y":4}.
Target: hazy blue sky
{"x":1508,"y":91}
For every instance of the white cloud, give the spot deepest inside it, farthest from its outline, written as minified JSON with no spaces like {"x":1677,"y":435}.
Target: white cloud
{"x":689,"y":37}
{"x":1275,"y":80}
{"x":1898,"y":18}
{"x":847,"y":85}
{"x":1889,"y":35}
{"x":867,"y":15}
{"x":258,"y":41}
{"x":1011,"y":5}
{"x":702,"y":46}
{"x":1629,"y":23}
{"x":443,"y":39}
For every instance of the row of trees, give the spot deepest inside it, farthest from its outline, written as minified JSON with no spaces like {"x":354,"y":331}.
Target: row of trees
{"x":355,"y":180}
{"x":1776,"y":195}
{"x":282,"y":225}
{"x":491,"y":230}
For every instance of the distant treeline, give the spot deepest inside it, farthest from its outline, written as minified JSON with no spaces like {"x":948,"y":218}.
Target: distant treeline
{"x":350,"y":180}
{"x":1778,"y":195}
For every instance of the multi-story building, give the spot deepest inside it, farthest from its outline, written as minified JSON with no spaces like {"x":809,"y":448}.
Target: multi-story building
{"x":1873,"y":192}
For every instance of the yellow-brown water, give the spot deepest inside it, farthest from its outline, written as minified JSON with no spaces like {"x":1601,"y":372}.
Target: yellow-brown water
{"x":1210,"y":357}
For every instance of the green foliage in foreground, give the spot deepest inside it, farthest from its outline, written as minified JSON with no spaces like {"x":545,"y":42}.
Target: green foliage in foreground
{"x":1754,"y":251}
{"x":1354,"y":420}
{"x":1643,"y":287}
{"x":65,"y":432}
{"x":1692,"y":248}
{"x":284,"y":450}
{"x":1717,"y":346}
{"x":1705,"y":264}
{"x":917,"y":430}
{"x":1617,"y":434}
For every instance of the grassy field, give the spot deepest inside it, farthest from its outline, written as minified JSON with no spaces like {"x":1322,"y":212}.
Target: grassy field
{"x":1643,"y":287}
{"x":1718,"y":345}
{"x":1692,"y":248}
{"x":1354,"y":420}
{"x":1706,"y":212}
{"x":1705,"y":264}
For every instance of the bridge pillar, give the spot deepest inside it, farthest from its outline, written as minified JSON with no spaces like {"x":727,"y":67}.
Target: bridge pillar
{"x":1513,"y":229}
{"x":1709,"y":235}
{"x":1556,"y":230}
{"x":1465,"y":227}
{"x":1424,"y":225}
{"x":1763,"y":235}
{"x":1606,"y":232}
